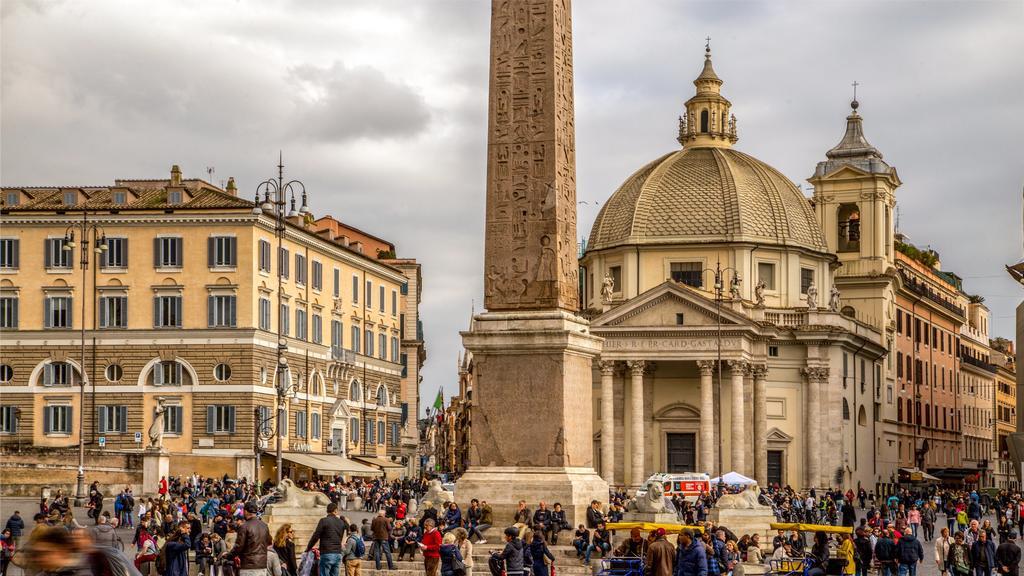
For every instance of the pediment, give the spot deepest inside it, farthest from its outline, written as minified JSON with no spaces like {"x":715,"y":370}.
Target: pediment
{"x":846,"y":171}
{"x":776,"y":435}
{"x":678,"y":412}
{"x":340,"y":410}
{"x":660,"y":306}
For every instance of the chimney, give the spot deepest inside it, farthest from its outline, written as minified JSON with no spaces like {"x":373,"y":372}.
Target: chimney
{"x":175,"y":175}
{"x":357,"y":246}
{"x":232,"y":189}
{"x":345,"y":240}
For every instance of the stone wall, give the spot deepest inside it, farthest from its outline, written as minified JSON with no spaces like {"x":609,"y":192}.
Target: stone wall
{"x":25,"y":472}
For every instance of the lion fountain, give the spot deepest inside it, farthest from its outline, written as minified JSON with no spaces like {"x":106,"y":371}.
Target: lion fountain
{"x":650,"y":506}
{"x":749,"y":499}
{"x":436,"y":494}
{"x":743,"y":513}
{"x":300,"y":508}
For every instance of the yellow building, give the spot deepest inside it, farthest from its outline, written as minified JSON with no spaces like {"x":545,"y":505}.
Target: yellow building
{"x":1005,"y":410}
{"x":181,"y":308}
{"x":976,"y":392}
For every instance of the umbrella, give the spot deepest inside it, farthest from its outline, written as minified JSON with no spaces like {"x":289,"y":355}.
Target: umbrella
{"x":733,"y":479}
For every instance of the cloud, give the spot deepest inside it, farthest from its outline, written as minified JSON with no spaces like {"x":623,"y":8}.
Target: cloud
{"x":339,"y":103}
{"x":380,"y":107}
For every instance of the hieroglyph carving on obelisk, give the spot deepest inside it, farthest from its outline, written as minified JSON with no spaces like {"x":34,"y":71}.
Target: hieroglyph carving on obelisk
{"x":530,"y":260}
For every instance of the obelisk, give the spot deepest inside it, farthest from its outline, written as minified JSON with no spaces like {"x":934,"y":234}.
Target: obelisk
{"x":532,"y":434}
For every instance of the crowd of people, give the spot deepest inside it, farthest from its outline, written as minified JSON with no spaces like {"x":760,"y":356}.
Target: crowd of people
{"x":213,"y":526}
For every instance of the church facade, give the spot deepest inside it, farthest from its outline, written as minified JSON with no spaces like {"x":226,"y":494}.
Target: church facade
{"x":746,"y":327}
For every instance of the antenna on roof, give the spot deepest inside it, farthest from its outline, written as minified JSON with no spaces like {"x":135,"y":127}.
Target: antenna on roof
{"x":210,"y":170}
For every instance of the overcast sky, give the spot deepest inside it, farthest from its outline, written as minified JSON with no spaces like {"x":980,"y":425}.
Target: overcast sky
{"x":380,"y":108}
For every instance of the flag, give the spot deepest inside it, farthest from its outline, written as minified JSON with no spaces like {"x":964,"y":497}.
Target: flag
{"x":439,"y":402}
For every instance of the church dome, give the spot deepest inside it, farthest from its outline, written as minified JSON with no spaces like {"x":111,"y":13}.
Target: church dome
{"x":707,"y":194}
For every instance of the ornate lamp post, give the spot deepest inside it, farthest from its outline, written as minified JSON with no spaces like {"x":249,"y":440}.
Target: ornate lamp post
{"x":279,"y":188}
{"x":99,"y":239}
{"x":734,"y":286}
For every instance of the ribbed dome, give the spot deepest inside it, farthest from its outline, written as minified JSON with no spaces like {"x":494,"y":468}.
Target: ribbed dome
{"x":707,"y":194}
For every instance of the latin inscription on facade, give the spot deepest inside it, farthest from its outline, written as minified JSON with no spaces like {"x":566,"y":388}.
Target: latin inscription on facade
{"x":530,"y":252}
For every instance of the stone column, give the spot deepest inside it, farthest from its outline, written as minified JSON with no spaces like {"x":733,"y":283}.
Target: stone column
{"x":812,"y":438}
{"x":607,"y":420}
{"x":707,"y":418}
{"x":737,"y":370}
{"x":636,"y":372}
{"x":760,"y":372}
{"x":748,"y":419}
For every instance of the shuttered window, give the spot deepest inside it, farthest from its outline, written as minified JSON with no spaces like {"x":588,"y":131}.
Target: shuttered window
{"x":221,"y":251}
{"x":57,"y":312}
{"x":318,"y":276}
{"x":314,"y":425}
{"x":220,"y":419}
{"x":8,"y":312}
{"x":59,"y":374}
{"x":167,"y":312}
{"x":168,"y":252}
{"x":8,"y":420}
{"x":318,"y":328}
{"x":116,"y":254}
{"x":300,"y":323}
{"x":113,"y":312}
{"x":9,"y":248}
{"x":264,"y":256}
{"x":112,"y":419}
{"x":57,"y":419}
{"x":264,"y":314}
{"x":282,"y":262}
{"x":220,"y":311}
{"x":353,"y":427}
{"x":355,"y":339}
{"x":300,"y":424}
{"x":167,"y":373}
{"x":55,"y":255}
{"x":300,"y":269}
{"x":173,"y":420}
{"x":282,"y":319}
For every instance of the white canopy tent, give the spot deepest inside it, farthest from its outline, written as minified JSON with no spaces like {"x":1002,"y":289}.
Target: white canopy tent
{"x":733,"y":479}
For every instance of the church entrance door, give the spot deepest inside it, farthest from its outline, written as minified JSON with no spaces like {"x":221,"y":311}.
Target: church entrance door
{"x":775,"y":467}
{"x":682,"y":452}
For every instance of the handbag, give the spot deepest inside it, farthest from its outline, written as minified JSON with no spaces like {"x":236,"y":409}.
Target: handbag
{"x":458,"y":567}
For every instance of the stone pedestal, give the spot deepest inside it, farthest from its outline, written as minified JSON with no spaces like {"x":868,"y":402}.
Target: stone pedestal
{"x":652,"y":517}
{"x":156,"y":464}
{"x":303,"y":521}
{"x":756,"y":521}
{"x":504,"y":486}
{"x":532,"y":430}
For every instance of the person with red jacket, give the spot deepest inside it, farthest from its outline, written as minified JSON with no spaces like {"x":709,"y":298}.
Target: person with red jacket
{"x":430,"y":544}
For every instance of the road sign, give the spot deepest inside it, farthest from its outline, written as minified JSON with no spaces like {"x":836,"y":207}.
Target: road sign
{"x":138,"y":437}
{"x":103,"y":441}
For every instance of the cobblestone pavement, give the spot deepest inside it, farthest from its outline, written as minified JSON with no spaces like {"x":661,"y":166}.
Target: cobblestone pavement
{"x":28,"y":508}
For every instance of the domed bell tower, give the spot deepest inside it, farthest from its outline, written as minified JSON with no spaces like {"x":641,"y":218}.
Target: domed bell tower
{"x":707,"y":121}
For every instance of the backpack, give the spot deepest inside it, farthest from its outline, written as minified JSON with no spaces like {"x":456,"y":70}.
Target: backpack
{"x":360,"y":546}
{"x":161,"y":560}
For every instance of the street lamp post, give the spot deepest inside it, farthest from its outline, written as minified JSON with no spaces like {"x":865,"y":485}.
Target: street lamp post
{"x":100,"y":241}
{"x":719,"y":287}
{"x":279,"y":188}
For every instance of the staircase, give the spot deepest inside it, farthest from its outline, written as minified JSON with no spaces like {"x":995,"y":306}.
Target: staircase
{"x":566,"y":563}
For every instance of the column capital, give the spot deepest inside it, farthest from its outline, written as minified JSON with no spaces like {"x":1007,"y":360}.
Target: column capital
{"x":740,"y":366}
{"x":607,"y":367}
{"x":636,"y":367}
{"x":759,"y":371}
{"x":650,"y":368}
{"x":706,"y":367}
{"x":815,"y":373}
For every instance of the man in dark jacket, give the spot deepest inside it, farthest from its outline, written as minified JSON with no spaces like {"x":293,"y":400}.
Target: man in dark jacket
{"x":909,"y":553}
{"x":691,"y":559}
{"x":542,"y":518}
{"x":1008,"y":556}
{"x":251,"y":545}
{"x":862,"y":553}
{"x":178,"y":545}
{"x":330,"y":532}
{"x":594,"y":515}
{"x":511,"y":558}
{"x":16,"y":525}
{"x":885,"y":553}
{"x":983,"y":555}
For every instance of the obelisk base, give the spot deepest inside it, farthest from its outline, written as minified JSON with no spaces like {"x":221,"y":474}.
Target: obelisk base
{"x":504,"y":486}
{"x":532,"y":433}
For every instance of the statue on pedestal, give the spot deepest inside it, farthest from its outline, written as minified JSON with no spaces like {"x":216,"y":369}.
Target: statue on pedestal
{"x":812,"y":296}
{"x":759,"y":293}
{"x":607,"y":288}
{"x":156,"y":429}
{"x":833,"y":299}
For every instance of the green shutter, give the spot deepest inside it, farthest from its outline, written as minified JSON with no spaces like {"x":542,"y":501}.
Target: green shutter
{"x":211,"y":414}
{"x":231,"y":419}
{"x":211,"y":249}
{"x":68,"y":418}
{"x":122,"y":425}
{"x":101,"y":416}
{"x":47,"y":412}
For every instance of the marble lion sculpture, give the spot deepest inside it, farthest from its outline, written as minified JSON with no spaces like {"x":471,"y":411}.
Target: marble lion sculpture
{"x":436,"y":494}
{"x":653,"y":501}
{"x":293,"y":496}
{"x":746,"y":500}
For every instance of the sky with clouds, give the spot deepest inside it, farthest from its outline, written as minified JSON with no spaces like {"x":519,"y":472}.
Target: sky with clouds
{"x":380,"y":108}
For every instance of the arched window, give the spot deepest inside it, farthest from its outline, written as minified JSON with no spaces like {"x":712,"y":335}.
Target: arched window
{"x":355,"y":391}
{"x":704,"y":121}
{"x":848,"y":218}
{"x":862,"y":417}
{"x":382,"y":396}
{"x":899,"y":411}
{"x":846,"y":409}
